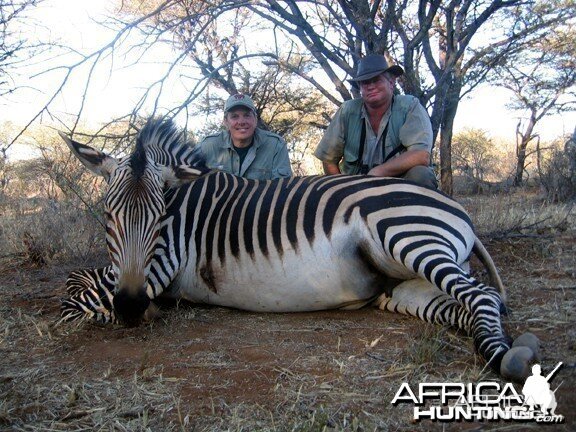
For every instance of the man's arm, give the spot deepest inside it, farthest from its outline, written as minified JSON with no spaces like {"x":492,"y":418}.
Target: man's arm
{"x":330,"y":149}
{"x":281,"y":166}
{"x":330,"y":168}
{"x":207,"y":148}
{"x":400,"y":164}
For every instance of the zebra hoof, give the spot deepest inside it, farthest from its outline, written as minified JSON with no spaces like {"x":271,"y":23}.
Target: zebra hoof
{"x":529,"y":340}
{"x":516,"y":364}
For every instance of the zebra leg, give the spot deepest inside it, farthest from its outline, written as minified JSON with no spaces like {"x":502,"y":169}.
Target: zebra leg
{"x":91,"y":297}
{"x":421,"y":299}
{"x":480,"y":301}
{"x":91,"y":292}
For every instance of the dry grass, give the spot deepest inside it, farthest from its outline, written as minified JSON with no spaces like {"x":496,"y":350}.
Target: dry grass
{"x":41,"y":392}
{"x":51,"y":234}
{"x":517,"y":215}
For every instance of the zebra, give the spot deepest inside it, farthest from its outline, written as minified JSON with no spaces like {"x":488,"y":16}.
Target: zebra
{"x":175,"y":228}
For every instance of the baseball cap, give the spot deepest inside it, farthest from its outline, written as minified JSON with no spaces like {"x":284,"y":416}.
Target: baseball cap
{"x":239,"y":100}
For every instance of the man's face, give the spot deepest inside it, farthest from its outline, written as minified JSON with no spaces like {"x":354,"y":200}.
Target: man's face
{"x":241,"y":122}
{"x":378,"y":90}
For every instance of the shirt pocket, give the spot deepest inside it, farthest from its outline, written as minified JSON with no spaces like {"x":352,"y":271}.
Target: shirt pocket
{"x":284,"y":172}
{"x":350,"y":156}
{"x":350,"y":164}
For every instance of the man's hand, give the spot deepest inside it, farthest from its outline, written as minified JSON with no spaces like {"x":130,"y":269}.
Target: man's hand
{"x":330,"y":168}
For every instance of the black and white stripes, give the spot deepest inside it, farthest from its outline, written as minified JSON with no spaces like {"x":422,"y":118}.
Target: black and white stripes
{"x":304,"y":243}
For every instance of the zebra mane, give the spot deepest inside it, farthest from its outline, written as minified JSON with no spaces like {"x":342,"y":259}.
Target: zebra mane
{"x":163,"y":142}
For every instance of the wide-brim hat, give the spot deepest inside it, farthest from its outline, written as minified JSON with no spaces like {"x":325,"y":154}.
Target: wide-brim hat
{"x":373,"y":65}
{"x":237,"y":100}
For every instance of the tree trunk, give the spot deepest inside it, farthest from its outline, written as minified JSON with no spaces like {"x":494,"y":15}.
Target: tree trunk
{"x":523,"y":138}
{"x":448,"y":106}
{"x":446,"y":161}
{"x":520,"y":162}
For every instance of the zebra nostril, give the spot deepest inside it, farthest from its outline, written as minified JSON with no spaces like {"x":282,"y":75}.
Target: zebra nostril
{"x":130,"y":308}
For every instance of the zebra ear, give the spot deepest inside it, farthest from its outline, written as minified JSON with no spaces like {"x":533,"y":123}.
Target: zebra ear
{"x":96,"y":161}
{"x":178,"y":175}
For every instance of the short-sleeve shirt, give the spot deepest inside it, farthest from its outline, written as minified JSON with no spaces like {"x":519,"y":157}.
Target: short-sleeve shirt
{"x":411,"y":128}
{"x":266,"y":159}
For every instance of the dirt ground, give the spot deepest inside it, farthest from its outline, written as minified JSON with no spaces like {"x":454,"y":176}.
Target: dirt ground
{"x":203,"y":368}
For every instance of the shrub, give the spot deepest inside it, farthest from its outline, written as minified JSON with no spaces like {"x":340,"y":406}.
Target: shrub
{"x":481,"y":165}
{"x":49,"y":208}
{"x":558,"y":173}
{"x":52,"y":232}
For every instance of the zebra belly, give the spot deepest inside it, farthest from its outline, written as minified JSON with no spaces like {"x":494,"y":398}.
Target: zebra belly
{"x":327,"y":275}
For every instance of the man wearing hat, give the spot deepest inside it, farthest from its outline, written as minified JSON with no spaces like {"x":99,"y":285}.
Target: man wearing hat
{"x":244,"y":149}
{"x":380,"y":134}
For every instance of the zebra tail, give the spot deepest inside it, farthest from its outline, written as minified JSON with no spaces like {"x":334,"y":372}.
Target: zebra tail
{"x":485,"y":258}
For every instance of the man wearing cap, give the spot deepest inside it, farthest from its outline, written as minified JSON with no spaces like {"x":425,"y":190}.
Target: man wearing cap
{"x":380,"y":134}
{"x":244,"y":149}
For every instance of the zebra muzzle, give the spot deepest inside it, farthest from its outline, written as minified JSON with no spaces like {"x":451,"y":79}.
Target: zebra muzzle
{"x":130,"y":307}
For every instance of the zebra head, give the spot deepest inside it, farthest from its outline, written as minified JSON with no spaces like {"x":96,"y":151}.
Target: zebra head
{"x":135,"y":204}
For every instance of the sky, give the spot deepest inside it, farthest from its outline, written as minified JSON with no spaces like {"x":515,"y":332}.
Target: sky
{"x":74,"y":22}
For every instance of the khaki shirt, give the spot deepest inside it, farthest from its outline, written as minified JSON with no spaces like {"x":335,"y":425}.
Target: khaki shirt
{"x":410,"y":127}
{"x":266,"y":159}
